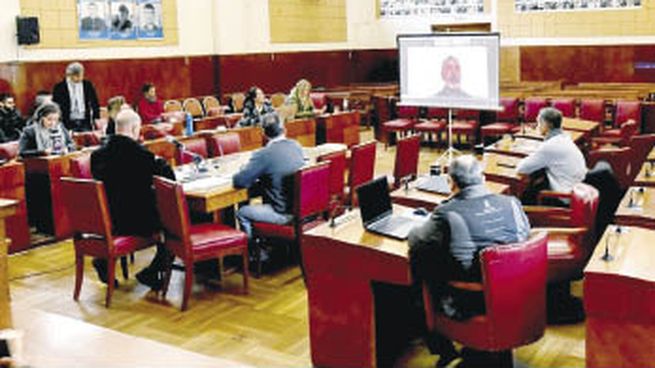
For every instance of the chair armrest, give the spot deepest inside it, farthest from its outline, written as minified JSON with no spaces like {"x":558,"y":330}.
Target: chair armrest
{"x":567,"y":231}
{"x":552,"y":194}
{"x":600,"y":142}
{"x":548,"y":216}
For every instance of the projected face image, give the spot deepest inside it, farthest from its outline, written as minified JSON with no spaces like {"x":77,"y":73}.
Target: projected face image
{"x":451,"y":72}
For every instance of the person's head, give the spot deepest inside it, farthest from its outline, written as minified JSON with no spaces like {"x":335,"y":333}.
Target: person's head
{"x":450,"y":72}
{"x":41,"y":98}
{"x":128,"y":123}
{"x":92,"y":9}
{"x":48,"y":115}
{"x":75,"y":72}
{"x":549,"y":118}
{"x":114,"y":106}
{"x":466,"y":171}
{"x":303,"y":88}
{"x":272,"y":125}
{"x":149,"y":92}
{"x":256,"y":95}
{"x":7,"y":101}
{"x":123,"y":11}
{"x":148,"y":14}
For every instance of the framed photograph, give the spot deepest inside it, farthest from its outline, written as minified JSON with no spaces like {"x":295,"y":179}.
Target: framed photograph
{"x":123,"y":20}
{"x":150,"y":19}
{"x":92,"y":16}
{"x":522,"y":6}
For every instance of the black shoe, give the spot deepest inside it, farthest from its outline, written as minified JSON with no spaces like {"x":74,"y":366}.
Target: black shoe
{"x":100,"y":266}
{"x":150,"y":278}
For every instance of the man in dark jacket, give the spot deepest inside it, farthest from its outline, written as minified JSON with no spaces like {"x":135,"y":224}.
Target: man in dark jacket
{"x":77,"y":99}
{"x":126,"y":168}
{"x":11,"y":122}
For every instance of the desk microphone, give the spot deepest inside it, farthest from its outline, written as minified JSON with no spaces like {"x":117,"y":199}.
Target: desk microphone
{"x":197,"y":159}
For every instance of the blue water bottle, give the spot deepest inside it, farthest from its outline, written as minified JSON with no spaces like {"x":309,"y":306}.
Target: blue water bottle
{"x":189,"y":125}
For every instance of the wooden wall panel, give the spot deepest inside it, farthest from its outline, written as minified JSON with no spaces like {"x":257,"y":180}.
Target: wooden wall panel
{"x":307,"y":21}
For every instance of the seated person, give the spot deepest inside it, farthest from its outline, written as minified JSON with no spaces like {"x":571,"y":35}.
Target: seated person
{"x":150,"y":107}
{"x":270,"y":165}
{"x":301,"y":102}
{"x":254,"y":106}
{"x":47,"y":135}
{"x":558,"y":156}
{"x":114,"y":106}
{"x":447,"y":246}
{"x":11,"y":122}
{"x":126,"y":168}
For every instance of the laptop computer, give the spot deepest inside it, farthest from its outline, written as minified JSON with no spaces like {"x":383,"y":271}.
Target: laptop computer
{"x":433,"y":184}
{"x":377,"y":214}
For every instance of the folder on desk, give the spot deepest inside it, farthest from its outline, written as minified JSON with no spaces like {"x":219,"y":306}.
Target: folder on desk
{"x":433,"y":184}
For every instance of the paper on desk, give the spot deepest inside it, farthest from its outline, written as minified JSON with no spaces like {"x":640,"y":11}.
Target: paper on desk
{"x":206,"y":183}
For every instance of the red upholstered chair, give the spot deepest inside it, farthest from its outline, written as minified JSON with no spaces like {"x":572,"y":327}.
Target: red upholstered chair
{"x":641,"y":146}
{"x":223,"y":144}
{"x":87,"y":139}
{"x":565,"y":105}
{"x":172,"y":105}
{"x":196,"y":145}
{"x":506,"y":119}
{"x":193,"y":107}
{"x":406,"y":164}
{"x":311,"y":199}
{"x":194,"y":243}
{"x":361,"y":170}
{"x":626,"y":111}
{"x":619,"y":159}
{"x":466,"y":124}
{"x":88,"y":211}
{"x":153,"y":131}
{"x":9,"y":150}
{"x":592,"y":109}
{"x":435,"y":123}
{"x":406,"y":118}
{"x":319,"y":99}
{"x":514,"y":287}
{"x":532,"y":106}
{"x":619,"y":137}
{"x":81,"y":167}
{"x":336,"y":184}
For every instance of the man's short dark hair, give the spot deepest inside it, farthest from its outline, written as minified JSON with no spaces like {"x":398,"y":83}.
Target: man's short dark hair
{"x":272,"y":125}
{"x":4,"y":96}
{"x":146,"y":87}
{"x":552,"y":116}
{"x":149,"y":7}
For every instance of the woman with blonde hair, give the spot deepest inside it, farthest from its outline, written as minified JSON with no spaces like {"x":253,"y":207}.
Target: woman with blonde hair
{"x":300,"y":100}
{"x":114,"y":106}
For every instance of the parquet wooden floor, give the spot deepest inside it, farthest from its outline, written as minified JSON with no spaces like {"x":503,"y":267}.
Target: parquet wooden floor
{"x":267,"y":328}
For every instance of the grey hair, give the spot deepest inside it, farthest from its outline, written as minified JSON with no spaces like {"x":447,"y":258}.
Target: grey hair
{"x":272,"y":125}
{"x":74,"y":68}
{"x":552,"y":116}
{"x":126,"y":118}
{"x":465,"y":171}
{"x":46,"y":109}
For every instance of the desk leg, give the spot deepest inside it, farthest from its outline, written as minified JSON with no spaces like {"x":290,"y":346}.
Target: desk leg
{"x":5,"y":305}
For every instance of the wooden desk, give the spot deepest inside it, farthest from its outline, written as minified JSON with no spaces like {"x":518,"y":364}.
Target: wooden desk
{"x":531,"y":133}
{"x":419,"y":198}
{"x":588,"y":127}
{"x":619,"y":301}
{"x":12,"y":186}
{"x":519,"y":147}
{"x":341,"y":127}
{"x":651,"y":156}
{"x":302,"y":130}
{"x":341,"y":265}
{"x":163,"y":148}
{"x":637,"y":208}
{"x":495,"y":171}
{"x":644,"y":180}
{"x":7,"y":208}
{"x":52,"y":340}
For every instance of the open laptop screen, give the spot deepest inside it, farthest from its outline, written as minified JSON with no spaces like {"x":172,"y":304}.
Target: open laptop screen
{"x":374,"y":199}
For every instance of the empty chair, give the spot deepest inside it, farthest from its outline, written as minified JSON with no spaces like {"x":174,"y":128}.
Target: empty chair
{"x":193,"y":107}
{"x":406,"y":163}
{"x":277,"y":99}
{"x":466,"y":124}
{"x":620,"y":161}
{"x":9,"y":150}
{"x":81,"y":167}
{"x":565,"y":105}
{"x":626,"y":111}
{"x":237,"y":100}
{"x":210,"y":102}
{"x":319,"y":99}
{"x":86,"y":139}
{"x":361,"y":170}
{"x":506,"y":119}
{"x":310,"y":205}
{"x":336,"y":185}
{"x":641,"y":146}
{"x":593,"y":110}
{"x":619,"y":137}
{"x":406,"y":117}
{"x":88,"y":211}
{"x":191,"y":146}
{"x":172,"y":105}
{"x":194,"y":243}
{"x":514,"y":288}
{"x":435,"y":123}
{"x":532,"y":106}
{"x":223,"y":144}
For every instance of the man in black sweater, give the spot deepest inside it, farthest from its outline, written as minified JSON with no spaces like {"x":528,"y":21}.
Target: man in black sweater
{"x":126,"y":168}
{"x":11,"y":122}
{"x":77,"y":99}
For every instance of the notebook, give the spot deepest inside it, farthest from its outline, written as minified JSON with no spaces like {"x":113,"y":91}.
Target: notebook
{"x":377,"y":213}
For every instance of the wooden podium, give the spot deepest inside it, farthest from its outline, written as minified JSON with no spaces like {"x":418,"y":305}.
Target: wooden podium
{"x":7,"y":208}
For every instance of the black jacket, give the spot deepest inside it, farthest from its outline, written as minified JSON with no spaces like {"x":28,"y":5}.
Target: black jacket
{"x":61,"y":96}
{"x":27,"y":146}
{"x":126,"y":168}
{"x":11,"y":123}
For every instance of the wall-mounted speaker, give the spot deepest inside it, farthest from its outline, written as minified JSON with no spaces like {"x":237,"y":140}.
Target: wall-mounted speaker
{"x":27,"y":29}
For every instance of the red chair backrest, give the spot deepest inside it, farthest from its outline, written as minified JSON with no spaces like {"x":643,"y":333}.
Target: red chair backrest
{"x":514,"y":279}
{"x":337,"y":171}
{"x":465,"y":114}
{"x":407,"y":153}
{"x":407,"y":112}
{"x":86,"y":204}
{"x":150,"y":132}
{"x":510,"y":111}
{"x":641,"y":146}
{"x":196,"y":145}
{"x":532,"y":107}
{"x":628,"y":129}
{"x":362,"y":164}
{"x":620,"y":161}
{"x":437,"y":113}
{"x":593,"y":110}
{"x":319,"y":99}
{"x":627,"y":110}
{"x":81,"y":167}
{"x":9,"y":150}
{"x":584,"y":206}
{"x":172,"y":208}
{"x":311,"y":195}
{"x":564,"y":105}
{"x":223,"y":144}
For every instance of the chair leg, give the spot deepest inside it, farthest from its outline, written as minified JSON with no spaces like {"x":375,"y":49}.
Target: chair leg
{"x":79,"y":276}
{"x":188,"y":284}
{"x":111,"y":278}
{"x":124,"y":267}
{"x":244,"y":258}
{"x":168,"y":270}
{"x":132,"y":258}
{"x":258,"y":257}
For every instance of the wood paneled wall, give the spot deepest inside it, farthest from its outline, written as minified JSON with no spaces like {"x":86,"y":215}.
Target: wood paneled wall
{"x":302,"y":21}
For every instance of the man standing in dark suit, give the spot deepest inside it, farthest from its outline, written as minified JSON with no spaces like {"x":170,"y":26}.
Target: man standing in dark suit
{"x":77,"y":99}
{"x":126,"y":168}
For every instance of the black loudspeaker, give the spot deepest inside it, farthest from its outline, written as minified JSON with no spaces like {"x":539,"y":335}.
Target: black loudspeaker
{"x":27,"y":29}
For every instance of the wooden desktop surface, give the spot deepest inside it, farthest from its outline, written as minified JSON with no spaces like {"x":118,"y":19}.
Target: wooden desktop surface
{"x":531,"y":133}
{"x":637,"y":208}
{"x":7,"y":208}
{"x":651,"y":155}
{"x":502,"y":168}
{"x":413,"y":197}
{"x":519,"y":147}
{"x":586,"y":126}
{"x":646,"y":176}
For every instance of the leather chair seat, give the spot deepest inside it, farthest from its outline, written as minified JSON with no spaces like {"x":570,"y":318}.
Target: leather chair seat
{"x":398,"y":125}
{"x":614,"y":133}
{"x":9,"y":150}
{"x":464,"y":126}
{"x":273,"y":230}
{"x":207,"y":238}
{"x":433,"y":125}
{"x":122,"y":245}
{"x":498,"y":128}
{"x":564,"y":259}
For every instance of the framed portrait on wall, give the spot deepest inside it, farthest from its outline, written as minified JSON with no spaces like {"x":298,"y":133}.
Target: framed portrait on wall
{"x":92,"y":16}
{"x":150,"y":19}
{"x":524,"y":6}
{"x":123,"y":20}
